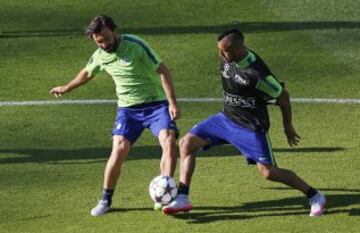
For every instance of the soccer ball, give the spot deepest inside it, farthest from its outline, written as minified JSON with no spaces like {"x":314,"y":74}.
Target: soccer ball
{"x":163,"y":189}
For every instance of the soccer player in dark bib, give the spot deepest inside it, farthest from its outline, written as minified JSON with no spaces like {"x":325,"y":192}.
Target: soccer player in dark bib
{"x":146,"y":98}
{"x":248,"y":86}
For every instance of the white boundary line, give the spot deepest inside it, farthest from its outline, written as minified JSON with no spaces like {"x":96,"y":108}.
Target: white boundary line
{"x":186,"y":100}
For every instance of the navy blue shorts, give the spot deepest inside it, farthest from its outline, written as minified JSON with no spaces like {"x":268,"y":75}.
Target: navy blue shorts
{"x":131,"y":121}
{"x":219,"y":129}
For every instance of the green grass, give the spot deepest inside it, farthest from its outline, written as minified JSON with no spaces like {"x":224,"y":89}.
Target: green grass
{"x":53,"y":182}
{"x":52,"y":157}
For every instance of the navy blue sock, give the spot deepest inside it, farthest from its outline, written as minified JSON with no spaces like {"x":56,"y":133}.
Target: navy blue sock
{"x":311,"y":192}
{"x":107,"y":195}
{"x":183,"y":189}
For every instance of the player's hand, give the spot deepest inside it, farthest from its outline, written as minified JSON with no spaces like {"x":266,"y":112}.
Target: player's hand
{"x":58,"y":91}
{"x":174,"y":111}
{"x":292,"y":137}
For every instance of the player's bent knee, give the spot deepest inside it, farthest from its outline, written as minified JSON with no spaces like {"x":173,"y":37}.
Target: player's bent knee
{"x":266,"y":174}
{"x":265,"y":171}
{"x":183,"y":143}
{"x":121,"y":147}
{"x":168,"y":144}
{"x":167,"y":138}
{"x":186,"y":146}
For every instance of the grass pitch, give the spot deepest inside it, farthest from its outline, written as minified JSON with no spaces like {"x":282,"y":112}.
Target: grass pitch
{"x":52,"y":157}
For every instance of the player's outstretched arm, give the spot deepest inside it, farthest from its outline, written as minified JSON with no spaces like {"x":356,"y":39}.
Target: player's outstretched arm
{"x":79,"y":80}
{"x":166,"y":81}
{"x":284,"y":103}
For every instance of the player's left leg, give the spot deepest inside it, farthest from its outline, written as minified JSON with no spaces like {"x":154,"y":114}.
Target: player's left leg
{"x":159,"y":122}
{"x":317,"y":200}
{"x":167,"y":140}
{"x":256,"y":147}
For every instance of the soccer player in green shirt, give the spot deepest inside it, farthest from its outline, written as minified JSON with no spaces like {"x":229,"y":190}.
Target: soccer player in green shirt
{"x":146,"y":98}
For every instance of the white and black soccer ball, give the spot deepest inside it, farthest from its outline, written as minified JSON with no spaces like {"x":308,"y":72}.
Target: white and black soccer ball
{"x":163,"y":189}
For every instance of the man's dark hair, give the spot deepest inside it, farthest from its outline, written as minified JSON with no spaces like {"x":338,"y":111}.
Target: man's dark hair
{"x":98,"y":23}
{"x":236,"y":33}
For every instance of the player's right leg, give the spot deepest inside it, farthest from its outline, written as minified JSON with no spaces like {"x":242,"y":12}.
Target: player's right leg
{"x":127,"y":129}
{"x":189,"y":144}
{"x":120,"y":150}
{"x":210,"y":132}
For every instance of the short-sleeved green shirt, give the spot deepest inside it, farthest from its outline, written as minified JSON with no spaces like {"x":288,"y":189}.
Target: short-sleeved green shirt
{"x":133,"y":68}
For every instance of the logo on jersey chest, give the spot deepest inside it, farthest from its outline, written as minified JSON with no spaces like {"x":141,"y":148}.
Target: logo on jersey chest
{"x":240,"y":80}
{"x":228,"y":73}
{"x":225,"y":72}
{"x":124,"y":61}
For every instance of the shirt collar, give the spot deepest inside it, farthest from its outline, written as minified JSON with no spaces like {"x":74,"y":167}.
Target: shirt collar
{"x":247,"y":61}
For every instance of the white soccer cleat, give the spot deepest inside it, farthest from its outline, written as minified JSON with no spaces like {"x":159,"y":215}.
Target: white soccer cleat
{"x":317,"y":203}
{"x":180,"y":204}
{"x":101,"y":208}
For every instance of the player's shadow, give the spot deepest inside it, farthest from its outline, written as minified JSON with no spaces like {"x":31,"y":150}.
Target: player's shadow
{"x":121,"y":210}
{"x":336,"y":204}
{"x":96,"y":155}
{"x":229,"y":150}
{"x":247,"y":27}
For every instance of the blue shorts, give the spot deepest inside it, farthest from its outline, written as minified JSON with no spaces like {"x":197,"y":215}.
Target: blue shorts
{"x":131,"y":121}
{"x":219,"y":129}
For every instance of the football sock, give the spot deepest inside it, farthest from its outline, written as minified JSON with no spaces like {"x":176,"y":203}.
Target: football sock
{"x":107,"y":195}
{"x":311,"y":192}
{"x":183,"y":189}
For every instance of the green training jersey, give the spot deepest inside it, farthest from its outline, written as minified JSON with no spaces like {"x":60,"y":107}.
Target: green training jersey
{"x":133,"y":68}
